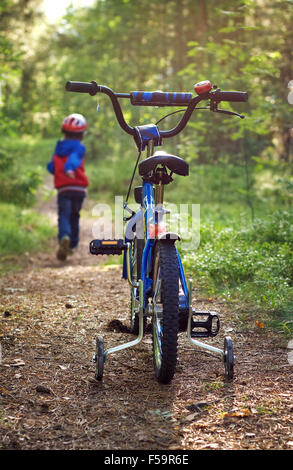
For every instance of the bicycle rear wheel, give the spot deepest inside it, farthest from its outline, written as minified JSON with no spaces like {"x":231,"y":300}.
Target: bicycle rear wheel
{"x":165,"y":310}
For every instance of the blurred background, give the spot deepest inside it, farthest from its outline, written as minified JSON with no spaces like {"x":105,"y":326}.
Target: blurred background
{"x":240,"y":170}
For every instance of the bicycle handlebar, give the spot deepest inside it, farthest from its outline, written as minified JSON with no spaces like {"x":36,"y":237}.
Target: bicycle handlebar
{"x":93,"y":88}
{"x":83,"y":87}
{"x":233,"y":96}
{"x":159,"y":98}
{"x":156,"y":99}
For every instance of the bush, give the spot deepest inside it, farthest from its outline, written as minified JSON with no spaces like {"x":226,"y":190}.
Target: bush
{"x":18,"y":183}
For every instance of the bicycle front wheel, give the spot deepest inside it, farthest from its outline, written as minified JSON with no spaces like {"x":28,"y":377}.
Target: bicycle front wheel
{"x":165,"y":310}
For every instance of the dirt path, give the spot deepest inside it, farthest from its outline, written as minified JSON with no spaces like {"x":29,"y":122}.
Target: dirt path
{"x":50,"y":314}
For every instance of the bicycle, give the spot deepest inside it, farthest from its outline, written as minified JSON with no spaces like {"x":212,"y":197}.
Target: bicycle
{"x":151,"y":262}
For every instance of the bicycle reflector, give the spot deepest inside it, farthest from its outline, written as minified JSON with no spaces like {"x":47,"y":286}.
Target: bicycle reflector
{"x":157,"y":229}
{"x":202,"y":87}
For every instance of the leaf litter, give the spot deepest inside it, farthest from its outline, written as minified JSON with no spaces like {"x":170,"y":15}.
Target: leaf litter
{"x":50,"y":399}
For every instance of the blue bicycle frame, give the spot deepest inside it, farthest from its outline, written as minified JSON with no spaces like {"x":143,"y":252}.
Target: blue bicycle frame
{"x":149,"y":209}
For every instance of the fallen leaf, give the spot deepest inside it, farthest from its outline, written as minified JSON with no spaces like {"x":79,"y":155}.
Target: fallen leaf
{"x":259,"y":324}
{"x":237,"y":413}
{"x":190,"y":417}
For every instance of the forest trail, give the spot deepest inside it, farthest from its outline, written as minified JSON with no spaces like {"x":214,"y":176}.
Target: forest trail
{"x":51,"y":312}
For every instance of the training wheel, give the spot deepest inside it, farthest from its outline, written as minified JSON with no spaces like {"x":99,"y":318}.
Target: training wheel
{"x":100,"y":357}
{"x":228,"y":358}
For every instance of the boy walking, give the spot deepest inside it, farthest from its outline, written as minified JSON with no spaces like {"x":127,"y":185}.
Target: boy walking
{"x":70,"y":180}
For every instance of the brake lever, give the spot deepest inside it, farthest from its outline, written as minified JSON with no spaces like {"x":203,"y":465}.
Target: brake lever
{"x":232,"y":113}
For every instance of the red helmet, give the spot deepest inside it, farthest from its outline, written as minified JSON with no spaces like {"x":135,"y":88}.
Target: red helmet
{"x":74,"y":123}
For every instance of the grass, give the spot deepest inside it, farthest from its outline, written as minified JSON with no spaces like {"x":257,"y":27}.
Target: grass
{"x":29,"y":151}
{"x":22,"y":230}
{"x":22,"y":163}
{"x":254,"y":264}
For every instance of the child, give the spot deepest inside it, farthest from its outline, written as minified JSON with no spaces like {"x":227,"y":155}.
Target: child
{"x":67,"y":166}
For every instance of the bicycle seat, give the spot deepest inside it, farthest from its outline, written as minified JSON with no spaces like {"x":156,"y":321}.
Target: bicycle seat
{"x":175,"y":164}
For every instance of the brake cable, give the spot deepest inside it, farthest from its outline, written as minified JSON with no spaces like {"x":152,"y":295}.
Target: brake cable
{"x":138,"y":158}
{"x":129,"y":188}
{"x":179,"y":111}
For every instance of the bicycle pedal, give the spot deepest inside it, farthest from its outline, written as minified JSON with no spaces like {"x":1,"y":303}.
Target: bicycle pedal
{"x":107,"y":247}
{"x":207,"y":327}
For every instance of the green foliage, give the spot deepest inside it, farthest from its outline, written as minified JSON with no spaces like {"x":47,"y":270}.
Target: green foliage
{"x":22,"y":230}
{"x":20,"y":189}
{"x":20,"y":168}
{"x":237,"y":45}
{"x":18,"y":19}
{"x":254,"y":263}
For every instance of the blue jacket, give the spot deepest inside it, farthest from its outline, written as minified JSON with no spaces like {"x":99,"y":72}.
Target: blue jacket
{"x":76,"y":151}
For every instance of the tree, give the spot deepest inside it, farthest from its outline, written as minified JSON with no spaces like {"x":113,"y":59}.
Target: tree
{"x":17,"y":21}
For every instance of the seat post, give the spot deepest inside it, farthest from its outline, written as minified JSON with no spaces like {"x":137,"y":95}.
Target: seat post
{"x":159,"y":198}
{"x":150,"y":148}
{"x":159,"y":188}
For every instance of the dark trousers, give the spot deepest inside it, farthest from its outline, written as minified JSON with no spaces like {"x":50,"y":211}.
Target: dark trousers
{"x":69,"y":206}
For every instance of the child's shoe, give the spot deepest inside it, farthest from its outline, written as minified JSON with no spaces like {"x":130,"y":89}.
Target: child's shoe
{"x":63,"y":250}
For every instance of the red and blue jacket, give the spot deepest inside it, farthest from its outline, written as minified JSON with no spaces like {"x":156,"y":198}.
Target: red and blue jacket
{"x":68,"y":156}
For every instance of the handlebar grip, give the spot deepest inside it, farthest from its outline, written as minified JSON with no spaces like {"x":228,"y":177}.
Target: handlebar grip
{"x":234,"y":96}
{"x":159,"y":98}
{"x":83,"y":87}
